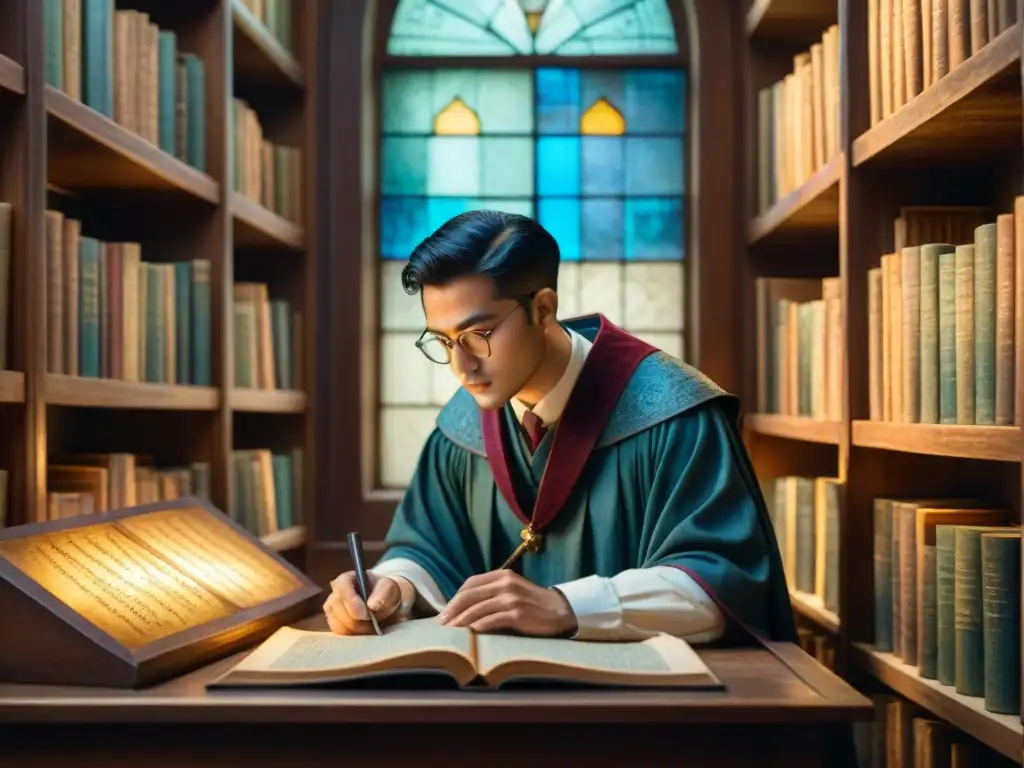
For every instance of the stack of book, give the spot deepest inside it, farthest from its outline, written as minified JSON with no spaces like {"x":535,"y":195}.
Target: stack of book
{"x":265,"y":338}
{"x":267,"y":173}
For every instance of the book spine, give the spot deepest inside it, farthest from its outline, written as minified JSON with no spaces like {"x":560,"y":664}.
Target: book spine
{"x":985,"y":324}
{"x":927,"y":647}
{"x":907,"y":519}
{"x":196,"y":109}
{"x":969,"y":647}
{"x":947,"y":337}
{"x":167,"y":69}
{"x":89,"y":303}
{"x":53,"y":22}
{"x":910,"y":265}
{"x":201,"y":333}
{"x":965,"y":334}
{"x":929,"y":353}
{"x":945,"y":608}
{"x":940,"y":40}
{"x":805,"y":535}
{"x":1005,"y":350}
{"x":883,"y":575}
{"x":97,"y":59}
{"x":1001,"y":615}
{"x":183,"y":321}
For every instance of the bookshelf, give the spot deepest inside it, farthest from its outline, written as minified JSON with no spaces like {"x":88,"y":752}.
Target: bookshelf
{"x":949,"y":136}
{"x":210,"y":392}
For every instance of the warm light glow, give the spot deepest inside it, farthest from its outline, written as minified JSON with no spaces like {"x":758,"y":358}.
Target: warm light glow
{"x":533,"y":21}
{"x":457,"y":119}
{"x":602,"y":119}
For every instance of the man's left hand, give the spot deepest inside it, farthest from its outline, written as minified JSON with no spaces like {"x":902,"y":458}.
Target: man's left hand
{"x":502,"y":601}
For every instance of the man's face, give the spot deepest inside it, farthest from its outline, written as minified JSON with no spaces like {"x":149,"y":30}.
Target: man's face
{"x":468,"y":305}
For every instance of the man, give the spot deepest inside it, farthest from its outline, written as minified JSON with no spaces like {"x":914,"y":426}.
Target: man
{"x":580,"y":484}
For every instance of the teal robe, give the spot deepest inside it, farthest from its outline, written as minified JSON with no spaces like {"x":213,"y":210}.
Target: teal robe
{"x":667,"y":483}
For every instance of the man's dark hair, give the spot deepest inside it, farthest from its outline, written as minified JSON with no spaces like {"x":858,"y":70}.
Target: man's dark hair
{"x":515,"y":251}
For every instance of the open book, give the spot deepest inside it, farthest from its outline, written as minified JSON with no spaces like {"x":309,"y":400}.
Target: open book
{"x":295,"y":657}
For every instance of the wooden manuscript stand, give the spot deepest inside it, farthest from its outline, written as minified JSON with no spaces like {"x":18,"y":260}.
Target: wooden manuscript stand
{"x":63,"y":627}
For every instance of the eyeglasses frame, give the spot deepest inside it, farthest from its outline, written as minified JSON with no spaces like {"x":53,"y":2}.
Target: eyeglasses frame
{"x":449,"y":344}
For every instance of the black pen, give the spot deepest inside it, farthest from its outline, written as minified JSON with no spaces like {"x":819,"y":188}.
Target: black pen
{"x":355,"y":548}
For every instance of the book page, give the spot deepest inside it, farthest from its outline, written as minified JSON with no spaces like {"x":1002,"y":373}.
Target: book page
{"x":661,"y":655}
{"x":215,"y":553}
{"x":114,"y":583}
{"x":296,"y":650}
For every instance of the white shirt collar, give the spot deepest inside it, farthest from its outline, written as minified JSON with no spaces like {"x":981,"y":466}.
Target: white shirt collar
{"x":550,"y":407}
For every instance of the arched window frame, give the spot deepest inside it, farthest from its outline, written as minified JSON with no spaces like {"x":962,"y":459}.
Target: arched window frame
{"x":355,"y":56}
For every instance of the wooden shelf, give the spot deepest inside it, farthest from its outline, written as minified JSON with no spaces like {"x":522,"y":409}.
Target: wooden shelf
{"x":88,"y":149}
{"x":972,"y":114}
{"x":813,"y":607}
{"x":1002,"y":733}
{"x":257,"y":227}
{"x":815,"y":205}
{"x":12,"y":76}
{"x":268,"y":400}
{"x":282,"y":541}
{"x":259,"y":55}
{"x":115,"y":393}
{"x":962,"y":441}
{"x":799,"y":22}
{"x":796,"y":427}
{"x":12,"y":387}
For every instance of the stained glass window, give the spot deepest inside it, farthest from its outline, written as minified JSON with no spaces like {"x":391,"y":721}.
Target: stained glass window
{"x":518,"y":27}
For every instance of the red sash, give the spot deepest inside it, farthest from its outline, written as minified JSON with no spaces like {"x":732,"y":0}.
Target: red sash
{"x":609,"y":366}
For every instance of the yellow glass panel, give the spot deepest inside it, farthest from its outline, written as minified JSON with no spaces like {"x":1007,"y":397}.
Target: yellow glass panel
{"x":533,"y":21}
{"x":457,"y":119}
{"x":602,"y":119}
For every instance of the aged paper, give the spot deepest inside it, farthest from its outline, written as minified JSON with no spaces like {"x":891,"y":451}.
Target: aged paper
{"x":220,"y":557}
{"x":114,"y":583}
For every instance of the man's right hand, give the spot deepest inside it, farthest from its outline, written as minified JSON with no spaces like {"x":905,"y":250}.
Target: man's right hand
{"x":346,"y":612}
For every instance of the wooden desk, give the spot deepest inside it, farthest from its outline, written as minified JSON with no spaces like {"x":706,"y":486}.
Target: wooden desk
{"x":777,"y":710}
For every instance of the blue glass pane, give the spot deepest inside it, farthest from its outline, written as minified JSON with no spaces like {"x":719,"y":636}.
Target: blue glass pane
{"x":654,"y":166}
{"x":561,"y":217}
{"x":602,"y":161}
{"x":403,"y":224}
{"x":558,"y":165}
{"x":601,"y":225}
{"x":506,"y":166}
{"x":558,"y":100}
{"x":404,"y":166}
{"x":601,"y":84}
{"x":440,"y":209}
{"x":501,"y":98}
{"x":654,"y":229}
{"x":655,"y":101}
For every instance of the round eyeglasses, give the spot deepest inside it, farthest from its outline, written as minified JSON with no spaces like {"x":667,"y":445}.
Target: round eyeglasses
{"x":438,"y":349}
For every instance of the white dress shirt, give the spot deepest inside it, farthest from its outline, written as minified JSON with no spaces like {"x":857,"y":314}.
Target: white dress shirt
{"x":632,"y":605}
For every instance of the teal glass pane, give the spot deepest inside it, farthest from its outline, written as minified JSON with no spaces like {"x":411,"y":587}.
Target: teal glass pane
{"x":601,"y":229}
{"x":472,"y":166}
{"x":558,"y":100}
{"x":453,"y":166}
{"x":654,"y":166}
{"x":499,"y":28}
{"x":558,"y":165}
{"x":602,"y":160}
{"x":506,"y":166}
{"x":561,"y":217}
{"x":502,"y":99}
{"x":654,"y":229}
{"x":404,"y":165}
{"x":655,"y":101}
{"x":403,"y":224}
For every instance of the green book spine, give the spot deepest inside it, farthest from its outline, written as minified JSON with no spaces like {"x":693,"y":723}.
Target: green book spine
{"x":965,"y":334}
{"x":805,"y":535}
{"x":245,"y":330}
{"x":910,"y":277}
{"x":156,"y":371}
{"x":832,"y":496}
{"x":985,"y":324}
{"x":945,"y":609}
{"x":196,"y":109}
{"x":1000,"y":566}
{"x":89,"y":307}
{"x":201,"y":334}
{"x":927,"y":627}
{"x":929,"y":350}
{"x":180,"y":111}
{"x":897,"y":582}
{"x":283,"y":492}
{"x":906,"y":518}
{"x":883,"y":575}
{"x":183,"y":322}
{"x":97,"y":55}
{"x":967,"y":599}
{"x":280,"y":317}
{"x":947,"y":337}
{"x":53,"y":16}
{"x":168,"y":73}
{"x":804,"y":315}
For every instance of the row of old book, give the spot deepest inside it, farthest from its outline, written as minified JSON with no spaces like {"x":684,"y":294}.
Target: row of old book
{"x":267,"y":335}
{"x":121,"y":64}
{"x":798,"y":121}
{"x":904,"y":735}
{"x":805,"y":517}
{"x":277,"y":17}
{"x":266,"y":493}
{"x":112,"y":315}
{"x":942,"y":316}
{"x":800,"y":349}
{"x":947,"y":594}
{"x":263,"y":171}
{"x":913,"y":44}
